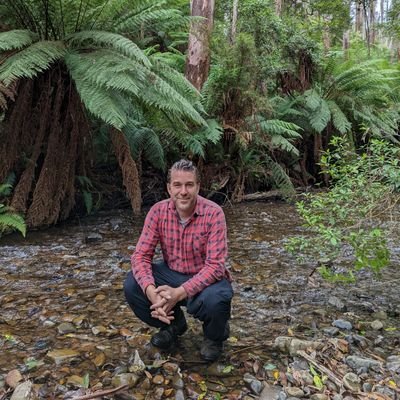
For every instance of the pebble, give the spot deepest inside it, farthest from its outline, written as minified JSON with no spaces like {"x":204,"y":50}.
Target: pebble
{"x":342,"y":324}
{"x":13,"y":378}
{"x":270,"y":392}
{"x":331,"y":331}
{"x":23,"y":391}
{"x":351,"y":381}
{"x":319,"y":396}
{"x":179,"y":395}
{"x":376,"y":325}
{"x":393,"y":363}
{"x":158,"y":380}
{"x":336,"y":302}
{"x":61,"y":355}
{"x":294,"y":391}
{"x":177,"y":382}
{"x":357,"y":363}
{"x":66,"y":327}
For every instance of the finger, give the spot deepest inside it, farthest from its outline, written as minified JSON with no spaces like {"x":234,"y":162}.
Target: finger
{"x":162,"y":288}
{"x":159,"y":304}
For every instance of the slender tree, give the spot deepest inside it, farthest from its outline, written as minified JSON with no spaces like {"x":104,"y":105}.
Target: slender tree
{"x":198,"y":59}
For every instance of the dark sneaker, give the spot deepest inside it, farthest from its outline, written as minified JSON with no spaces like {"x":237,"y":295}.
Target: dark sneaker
{"x":211,"y":349}
{"x":166,"y":337}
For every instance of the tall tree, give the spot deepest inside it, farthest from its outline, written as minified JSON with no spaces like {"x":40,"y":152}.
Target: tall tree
{"x":198,"y":58}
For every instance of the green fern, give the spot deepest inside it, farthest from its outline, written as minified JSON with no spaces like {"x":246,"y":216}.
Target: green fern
{"x":29,"y":62}
{"x":17,"y":39}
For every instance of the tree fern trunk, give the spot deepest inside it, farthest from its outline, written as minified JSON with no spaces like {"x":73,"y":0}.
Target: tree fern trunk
{"x":129,"y":169}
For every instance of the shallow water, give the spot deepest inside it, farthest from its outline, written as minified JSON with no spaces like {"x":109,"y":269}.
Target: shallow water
{"x":60,"y":275}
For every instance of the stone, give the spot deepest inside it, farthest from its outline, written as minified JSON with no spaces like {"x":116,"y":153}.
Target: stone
{"x":319,"y":396}
{"x":393,"y":363}
{"x":61,"y":355}
{"x":13,"y":378}
{"x":270,"y":392}
{"x":336,"y":302}
{"x":331,"y":330}
{"x":66,"y":327}
{"x":23,"y":391}
{"x":342,"y":324}
{"x":294,"y":391}
{"x":179,"y":395}
{"x":125,"y":379}
{"x":351,"y":381}
{"x":357,"y":363}
{"x":93,"y":237}
{"x":376,"y":325}
{"x":177,"y":382}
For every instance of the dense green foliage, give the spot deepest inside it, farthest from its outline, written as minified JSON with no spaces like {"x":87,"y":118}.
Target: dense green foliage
{"x":345,"y":222}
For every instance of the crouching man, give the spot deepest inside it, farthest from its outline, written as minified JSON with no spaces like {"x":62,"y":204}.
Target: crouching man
{"x":191,"y":231}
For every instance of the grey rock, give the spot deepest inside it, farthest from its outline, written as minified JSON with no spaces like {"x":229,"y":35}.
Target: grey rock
{"x":177,"y":382}
{"x":381,"y":315}
{"x":93,"y":237}
{"x":256,"y":386}
{"x":376,"y":325}
{"x":179,"y":395}
{"x":357,"y":363}
{"x":351,"y":381}
{"x":23,"y":391}
{"x":393,"y":363}
{"x":336,"y":302}
{"x":319,"y":396}
{"x":367,"y":387}
{"x":331,"y":331}
{"x":125,"y":379}
{"x":342,"y":324}
{"x":337,"y":397}
{"x":271,"y":392}
{"x":66,"y":327}
{"x":294,"y":391}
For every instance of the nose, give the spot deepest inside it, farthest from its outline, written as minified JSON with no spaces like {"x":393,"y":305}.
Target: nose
{"x":184,"y":189}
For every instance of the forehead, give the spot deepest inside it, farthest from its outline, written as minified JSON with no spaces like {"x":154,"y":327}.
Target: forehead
{"x":183,"y":176}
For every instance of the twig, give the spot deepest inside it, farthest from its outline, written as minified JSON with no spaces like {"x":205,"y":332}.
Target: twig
{"x":249,"y":348}
{"x":101,"y":393}
{"x":323,"y":369}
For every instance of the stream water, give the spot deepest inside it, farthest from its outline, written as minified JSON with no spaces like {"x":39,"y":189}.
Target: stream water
{"x":61,"y":289}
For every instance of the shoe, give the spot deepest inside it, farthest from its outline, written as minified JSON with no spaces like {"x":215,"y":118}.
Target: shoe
{"x":211,"y":349}
{"x":167,"y":336}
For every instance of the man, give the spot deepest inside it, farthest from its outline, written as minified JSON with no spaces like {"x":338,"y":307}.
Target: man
{"x":191,"y":231}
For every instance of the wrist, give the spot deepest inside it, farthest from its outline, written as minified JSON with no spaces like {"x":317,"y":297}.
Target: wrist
{"x":148,"y":290}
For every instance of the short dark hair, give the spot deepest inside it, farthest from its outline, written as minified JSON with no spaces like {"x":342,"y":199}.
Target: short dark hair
{"x":183,"y":165}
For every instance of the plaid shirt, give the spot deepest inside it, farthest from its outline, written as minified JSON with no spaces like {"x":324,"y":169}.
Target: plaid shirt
{"x":198,"y":248}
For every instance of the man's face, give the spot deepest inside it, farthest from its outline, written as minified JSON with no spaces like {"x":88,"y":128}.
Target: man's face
{"x":183,"y":189}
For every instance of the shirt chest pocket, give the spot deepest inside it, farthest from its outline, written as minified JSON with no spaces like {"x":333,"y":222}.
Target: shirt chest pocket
{"x":199,"y":244}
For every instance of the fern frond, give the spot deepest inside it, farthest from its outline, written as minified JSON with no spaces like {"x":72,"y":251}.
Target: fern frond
{"x":339,"y":119}
{"x":11,"y":220}
{"x":30,"y":61}
{"x":108,"y":39}
{"x":320,"y":117}
{"x":279,"y":176}
{"x":16,"y":39}
{"x":279,"y":142}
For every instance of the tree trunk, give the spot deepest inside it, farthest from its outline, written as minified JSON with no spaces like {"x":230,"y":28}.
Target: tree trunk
{"x":198,"y":59}
{"x":359,"y":17}
{"x":234,"y":21}
{"x":130,"y":174}
{"x":371,"y":22}
{"x":278,"y":7}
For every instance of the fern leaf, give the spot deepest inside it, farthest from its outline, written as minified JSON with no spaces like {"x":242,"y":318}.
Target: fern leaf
{"x":109,"y":39}
{"x":339,"y":119}
{"x":10,"y":220}
{"x":320,"y":117}
{"x":16,"y":39}
{"x":30,"y":61}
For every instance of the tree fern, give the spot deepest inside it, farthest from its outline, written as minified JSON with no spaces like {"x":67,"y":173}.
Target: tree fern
{"x":11,"y":221}
{"x":30,"y":61}
{"x":17,"y":39}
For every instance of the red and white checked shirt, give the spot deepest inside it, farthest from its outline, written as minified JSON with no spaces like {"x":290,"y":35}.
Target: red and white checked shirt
{"x":198,"y":248}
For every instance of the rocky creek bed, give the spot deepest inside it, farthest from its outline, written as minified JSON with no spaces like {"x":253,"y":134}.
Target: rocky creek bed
{"x":67,"y":333}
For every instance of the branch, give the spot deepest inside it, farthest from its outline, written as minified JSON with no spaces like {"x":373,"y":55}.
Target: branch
{"x":101,"y":393}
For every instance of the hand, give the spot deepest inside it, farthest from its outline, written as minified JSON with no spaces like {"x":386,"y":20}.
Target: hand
{"x":169,"y":297}
{"x":160,"y":312}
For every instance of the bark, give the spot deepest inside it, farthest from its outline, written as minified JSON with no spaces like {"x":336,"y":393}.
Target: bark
{"x":130,"y":174}
{"x":198,"y":59}
{"x":278,"y":7}
{"x":234,"y":20}
{"x":359,"y":17}
{"x":372,"y":31}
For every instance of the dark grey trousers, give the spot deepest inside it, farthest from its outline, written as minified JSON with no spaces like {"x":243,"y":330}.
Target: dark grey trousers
{"x":212,"y":306}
